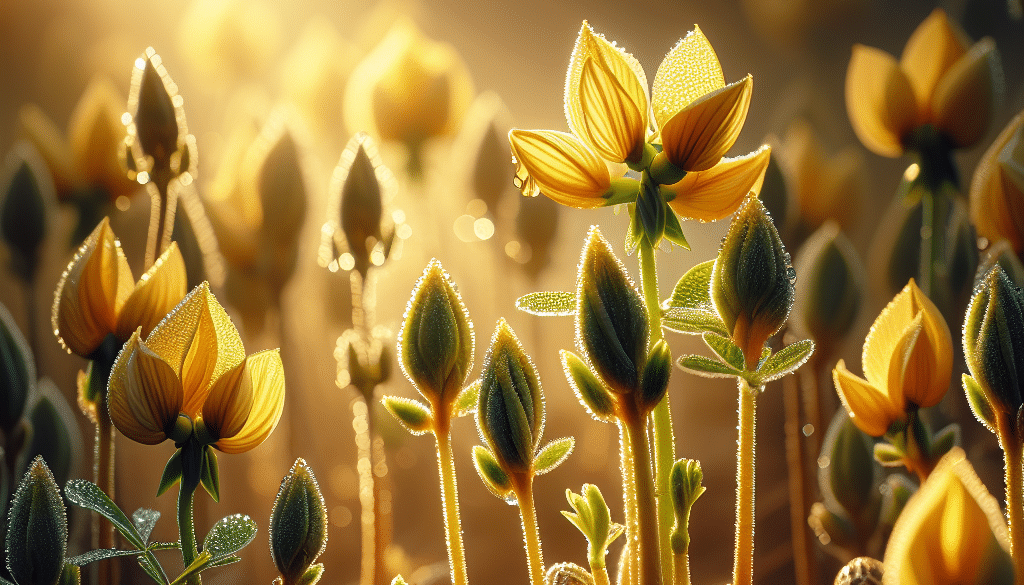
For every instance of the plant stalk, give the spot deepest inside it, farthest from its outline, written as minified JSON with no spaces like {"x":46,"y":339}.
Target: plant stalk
{"x":682,"y":566}
{"x":531,"y":536}
{"x":1013,"y":459}
{"x":648,"y":558}
{"x":367,"y":500}
{"x":743,"y":565}
{"x":630,"y":509}
{"x":803,"y":554}
{"x":186,"y":527}
{"x":450,"y":499}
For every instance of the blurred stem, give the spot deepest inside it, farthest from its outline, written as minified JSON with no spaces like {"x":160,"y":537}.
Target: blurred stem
{"x":661,"y":416}
{"x":743,"y":565}
{"x":103,"y":469}
{"x":163,"y":204}
{"x":936,"y":172}
{"x":367,"y":492}
{"x":1013,"y":464}
{"x":450,"y":500}
{"x":918,"y":447}
{"x":191,"y":460}
{"x":531,"y":536}
{"x":797,"y":473}
{"x":648,"y":557}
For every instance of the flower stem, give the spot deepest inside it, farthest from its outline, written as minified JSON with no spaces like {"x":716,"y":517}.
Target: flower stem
{"x":648,"y":558}
{"x":798,"y":492}
{"x":743,"y":564}
{"x":531,"y":536}
{"x":163,"y":205}
{"x":1013,"y":459}
{"x":629,"y":504}
{"x":191,"y":460}
{"x":367,"y":493}
{"x":682,"y":566}
{"x":450,"y":498}
{"x":664,"y":440}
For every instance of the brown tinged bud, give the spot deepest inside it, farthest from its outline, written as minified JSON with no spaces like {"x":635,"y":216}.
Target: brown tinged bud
{"x":298,"y":526}
{"x":158,"y":120}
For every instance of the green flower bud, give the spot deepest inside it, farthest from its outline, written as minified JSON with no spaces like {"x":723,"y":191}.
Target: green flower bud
{"x":510,"y":415}
{"x":849,"y":477}
{"x":654,"y":380}
{"x":17,"y":372}
{"x":752,"y":281}
{"x":685,"y":481}
{"x":157,"y":116}
{"x":611,"y":321}
{"x":567,"y":574}
{"x":830,"y":286}
{"x":994,"y":342}
{"x":275,"y":162}
{"x":298,"y":524}
{"x":591,"y":392}
{"x":55,"y":434}
{"x":360,"y":199}
{"x":591,"y":516}
{"x":1002,"y":254}
{"x":435,"y":344}
{"x":37,"y":530}
{"x":26,"y":193}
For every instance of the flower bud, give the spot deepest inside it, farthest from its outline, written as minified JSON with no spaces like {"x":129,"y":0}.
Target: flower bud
{"x":364,"y":361}
{"x":26,"y":193}
{"x":510,"y":415}
{"x":96,"y":136}
{"x":37,"y":529}
{"x":158,"y":119}
{"x":17,"y":372}
{"x":298,"y":524}
{"x":1000,"y":253}
{"x":654,"y":380}
{"x":685,"y":481}
{"x":830,"y":286}
{"x":849,"y":479}
{"x":273,"y":168}
{"x":997,"y":190}
{"x":994,"y":341}
{"x":591,"y":516}
{"x":752,"y":281}
{"x":611,"y":321}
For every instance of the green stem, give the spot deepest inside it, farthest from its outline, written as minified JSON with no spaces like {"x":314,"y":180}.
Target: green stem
{"x":186,"y":528}
{"x":600,"y":574}
{"x":629,"y":500}
{"x":664,"y":439}
{"x":450,"y":498}
{"x":648,"y":558}
{"x":367,"y":500}
{"x":743,"y":565}
{"x":531,"y":536}
{"x":1013,"y":459}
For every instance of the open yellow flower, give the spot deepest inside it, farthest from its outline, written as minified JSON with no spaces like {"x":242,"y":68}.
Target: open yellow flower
{"x":939,"y":80}
{"x":997,"y":191}
{"x":907,"y":360}
{"x":97,"y":295}
{"x":690,"y":115}
{"x":193,"y":364}
{"x":951,"y":531}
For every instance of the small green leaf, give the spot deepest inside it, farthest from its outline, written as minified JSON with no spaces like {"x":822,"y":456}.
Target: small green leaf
{"x":707,"y":367}
{"x":88,"y":495}
{"x":693,"y":291}
{"x":674,"y":231}
{"x":228,"y":560}
{"x":588,"y":388}
{"x":312,"y":575}
{"x":888,"y":455}
{"x":979,"y":403}
{"x":229,"y":535}
{"x":491,"y":473}
{"x":413,"y":414}
{"x":198,"y":565}
{"x":787,"y":360}
{"x":210,"y":474}
{"x":945,"y":439}
{"x":693,"y":321}
{"x":467,"y":401}
{"x":171,"y":475}
{"x":144,"y":520}
{"x":548,"y":303}
{"x":99,"y":555}
{"x":725,"y":348}
{"x":151,"y":569}
{"x":552,"y":455}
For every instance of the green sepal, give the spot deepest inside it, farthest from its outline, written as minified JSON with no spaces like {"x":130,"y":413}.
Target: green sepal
{"x":466,"y":403}
{"x":980,"y":405}
{"x":413,"y":414}
{"x":172,"y":473}
{"x":549,"y":303}
{"x":786,"y":360}
{"x":707,"y":367}
{"x":888,"y":455}
{"x":552,"y":455}
{"x":312,"y":575}
{"x":493,"y":476}
{"x":655,"y":375}
{"x":635,"y":232}
{"x":71,"y":575}
{"x":622,"y":190}
{"x":674,"y":231}
{"x":228,"y":536}
{"x":210,"y":474}
{"x":88,"y":495}
{"x":590,"y":391}
{"x":725,"y":349}
{"x":652,"y":211}
{"x":898,"y":490}
{"x":944,"y":439}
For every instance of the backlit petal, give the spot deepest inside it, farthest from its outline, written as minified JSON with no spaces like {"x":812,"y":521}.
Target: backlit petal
{"x":699,"y":136}
{"x":997,"y":190}
{"x":144,"y":394}
{"x":885,"y":334}
{"x":690,"y":71}
{"x":930,"y":52}
{"x":902,"y":370}
{"x":159,"y":290}
{"x":560,"y":166}
{"x":868,"y":406}
{"x":717,"y":192}
{"x":930,"y":366}
{"x":879,"y":101}
{"x":228,"y":404}
{"x":965,"y":97}
{"x":265,"y":373}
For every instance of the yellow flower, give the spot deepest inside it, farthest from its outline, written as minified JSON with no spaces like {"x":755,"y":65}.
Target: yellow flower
{"x":997,"y":191}
{"x":560,"y":166}
{"x":907,"y":360}
{"x":97,"y":295}
{"x":950,"y":531}
{"x":939,"y":80}
{"x":193,"y":363}
{"x":826,"y":187}
{"x":717,"y":192}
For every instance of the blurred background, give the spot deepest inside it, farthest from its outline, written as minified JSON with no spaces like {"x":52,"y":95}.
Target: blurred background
{"x":241,"y":64}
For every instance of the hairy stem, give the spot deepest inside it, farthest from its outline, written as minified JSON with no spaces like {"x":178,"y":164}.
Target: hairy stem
{"x":1013,"y":460}
{"x":531,"y":536}
{"x":682,"y":567}
{"x":743,"y":564}
{"x":803,"y":553}
{"x":648,"y":560}
{"x":450,"y":498}
{"x":630,"y":508}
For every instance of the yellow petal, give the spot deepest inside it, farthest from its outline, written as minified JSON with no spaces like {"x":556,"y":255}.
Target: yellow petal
{"x":717,"y":192}
{"x":159,"y":290}
{"x":699,"y":136}
{"x":97,"y":135}
{"x":902,"y":370}
{"x":951,"y":531}
{"x":930,"y":52}
{"x":868,"y":406}
{"x":144,"y":394}
{"x":879,"y":101}
{"x":560,"y":166}
{"x":965,"y":97}
{"x":884,"y":335}
{"x":228,"y":405}
{"x":91,"y":292}
{"x":690,"y":71}
{"x":606,"y":98}
{"x":997,"y":189}
{"x":930,"y":366}
{"x":265,"y":374}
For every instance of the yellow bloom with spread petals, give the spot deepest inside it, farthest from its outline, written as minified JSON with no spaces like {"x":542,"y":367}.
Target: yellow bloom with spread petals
{"x":951,"y":531}
{"x":939,"y":80}
{"x":997,"y":191}
{"x":194,"y":364}
{"x":97,"y":295}
{"x":907,"y":360}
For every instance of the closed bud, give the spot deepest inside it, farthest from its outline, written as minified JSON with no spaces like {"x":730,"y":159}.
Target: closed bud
{"x":685,"y":481}
{"x":1002,"y":254}
{"x":591,"y":516}
{"x":37,"y":529}
{"x":435,"y":343}
{"x":611,"y":321}
{"x":158,"y":119}
{"x":997,"y":189}
{"x":26,"y":193}
{"x":364,"y":360}
{"x":273,"y":167}
{"x":752,"y":281}
{"x":510,"y":415}
{"x":17,"y":372}
{"x":850,"y":475}
{"x":994,"y":342}
{"x":654,"y":380}
{"x":830,"y":286}
{"x":298,"y":524}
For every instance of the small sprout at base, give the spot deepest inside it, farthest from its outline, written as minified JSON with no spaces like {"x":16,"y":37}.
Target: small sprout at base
{"x":491,"y":473}
{"x":590,"y":391}
{"x":567,"y":574}
{"x":413,"y":415}
{"x":685,"y":481}
{"x":298,"y":527}
{"x":592,"y":517}
{"x":37,"y":528}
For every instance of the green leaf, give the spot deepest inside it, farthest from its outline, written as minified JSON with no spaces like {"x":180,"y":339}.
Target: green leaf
{"x":413,"y":414}
{"x":693,"y":291}
{"x":149,"y":566}
{"x":945,"y":439}
{"x":674,"y":231}
{"x":888,"y":455}
{"x":88,"y":495}
{"x":210,"y":474}
{"x":229,"y":535}
{"x":726,"y":349}
{"x":144,"y":520}
{"x":229,"y":560}
{"x":466,"y":402}
{"x":707,"y":367}
{"x":693,"y":321}
{"x":979,"y":403}
{"x":588,"y":388}
{"x":101,"y":554}
{"x":312,"y":575}
{"x":172,"y":473}
{"x":552,"y":455}
{"x":787,"y":360}
{"x":548,"y":303}
{"x":491,"y":473}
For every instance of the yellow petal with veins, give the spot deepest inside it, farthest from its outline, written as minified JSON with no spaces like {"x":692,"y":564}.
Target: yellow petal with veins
{"x":690,"y":71}
{"x":699,"y":136}
{"x":159,"y":290}
{"x":997,"y":189}
{"x":265,"y":373}
{"x":935,"y":45}
{"x":869,"y":406}
{"x":717,"y":192}
{"x":560,"y":166}
{"x":965,"y":97}
{"x":144,"y":394}
{"x":902,"y":370}
{"x":879,"y":101}
{"x":229,"y":403}
{"x":885,"y":334}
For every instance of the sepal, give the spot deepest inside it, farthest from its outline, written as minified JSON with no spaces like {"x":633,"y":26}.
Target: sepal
{"x":172,"y":473}
{"x":491,"y":473}
{"x":413,"y":414}
{"x":552,"y":455}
